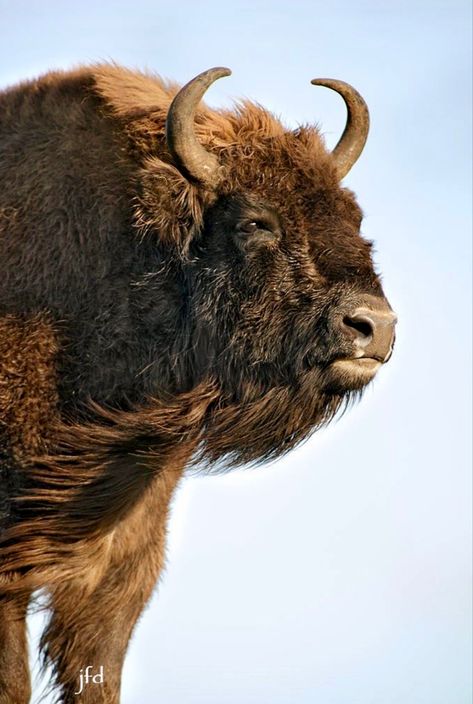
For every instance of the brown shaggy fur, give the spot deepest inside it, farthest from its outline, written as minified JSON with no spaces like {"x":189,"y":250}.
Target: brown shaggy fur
{"x":141,"y":333}
{"x":28,"y":395}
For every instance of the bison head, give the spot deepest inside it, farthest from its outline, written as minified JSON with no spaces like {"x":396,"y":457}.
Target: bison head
{"x":285,"y":309}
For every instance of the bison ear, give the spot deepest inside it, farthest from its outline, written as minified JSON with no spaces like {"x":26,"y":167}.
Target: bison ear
{"x":170,"y":207}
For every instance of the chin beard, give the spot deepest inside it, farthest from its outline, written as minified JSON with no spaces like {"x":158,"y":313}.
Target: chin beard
{"x":264,"y":424}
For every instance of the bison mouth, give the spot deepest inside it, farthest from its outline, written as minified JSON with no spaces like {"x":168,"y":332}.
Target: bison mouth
{"x":351,"y":373}
{"x":344,"y":373}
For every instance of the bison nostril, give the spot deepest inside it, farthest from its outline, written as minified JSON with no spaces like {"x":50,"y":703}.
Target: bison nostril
{"x":360,"y":327}
{"x":370,"y":330}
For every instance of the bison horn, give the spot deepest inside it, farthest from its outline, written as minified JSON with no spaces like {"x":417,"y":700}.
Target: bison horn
{"x":189,"y":155}
{"x":354,"y":135}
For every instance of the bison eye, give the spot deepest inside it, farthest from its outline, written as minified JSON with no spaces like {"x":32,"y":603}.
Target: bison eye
{"x":251,"y":227}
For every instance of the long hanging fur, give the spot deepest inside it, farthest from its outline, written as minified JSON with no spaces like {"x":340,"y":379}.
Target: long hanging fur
{"x":93,"y":475}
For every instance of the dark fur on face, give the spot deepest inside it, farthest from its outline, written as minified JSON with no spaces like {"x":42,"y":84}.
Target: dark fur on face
{"x":263,"y":313}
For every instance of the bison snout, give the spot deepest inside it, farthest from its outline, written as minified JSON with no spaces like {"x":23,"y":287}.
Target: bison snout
{"x":371,"y":328}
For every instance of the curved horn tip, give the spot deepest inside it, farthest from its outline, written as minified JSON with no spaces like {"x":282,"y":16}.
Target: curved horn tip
{"x":212,"y":74}
{"x":323,"y":81}
{"x":222,"y":71}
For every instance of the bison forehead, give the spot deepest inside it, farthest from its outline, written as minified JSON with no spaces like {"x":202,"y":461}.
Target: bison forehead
{"x":279,"y":158}
{"x":291,"y":169}
{"x":292,"y":173}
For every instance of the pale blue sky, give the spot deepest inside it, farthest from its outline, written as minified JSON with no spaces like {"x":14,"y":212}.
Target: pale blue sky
{"x":340,"y":575}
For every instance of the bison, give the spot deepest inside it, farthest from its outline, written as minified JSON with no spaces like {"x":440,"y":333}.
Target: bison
{"x":179,"y":287}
